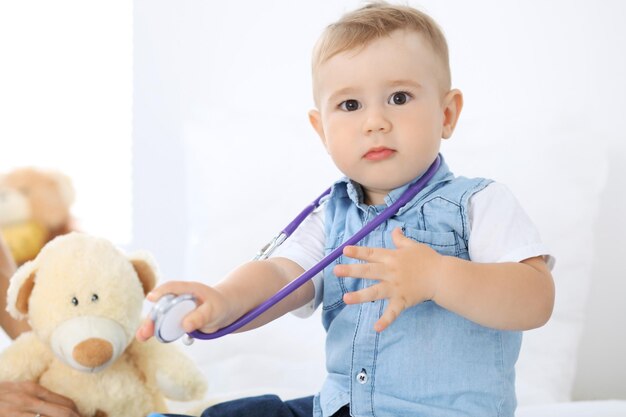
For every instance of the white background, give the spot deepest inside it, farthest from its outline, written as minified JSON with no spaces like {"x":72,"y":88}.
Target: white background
{"x":66,"y":101}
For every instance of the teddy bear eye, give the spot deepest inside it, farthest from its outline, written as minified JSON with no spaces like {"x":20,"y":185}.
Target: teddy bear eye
{"x":75,"y":301}
{"x":94,"y":297}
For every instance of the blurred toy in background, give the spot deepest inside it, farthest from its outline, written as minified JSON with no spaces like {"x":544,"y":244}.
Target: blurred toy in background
{"x":34,"y":208}
{"x":83,"y":300}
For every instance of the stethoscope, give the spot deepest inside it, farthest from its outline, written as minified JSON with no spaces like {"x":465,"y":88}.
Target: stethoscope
{"x":169,"y":311}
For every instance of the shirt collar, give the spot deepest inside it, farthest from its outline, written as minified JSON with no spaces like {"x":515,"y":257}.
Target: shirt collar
{"x":354,"y":191}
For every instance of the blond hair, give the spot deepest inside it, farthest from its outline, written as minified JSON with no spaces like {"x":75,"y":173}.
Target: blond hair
{"x":360,"y":27}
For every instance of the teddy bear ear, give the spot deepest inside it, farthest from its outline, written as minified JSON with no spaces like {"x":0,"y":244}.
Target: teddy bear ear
{"x":20,"y":289}
{"x":146,"y":269}
{"x":64,"y":184}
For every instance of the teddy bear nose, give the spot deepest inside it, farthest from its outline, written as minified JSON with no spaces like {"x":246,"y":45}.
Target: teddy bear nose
{"x":93,"y":352}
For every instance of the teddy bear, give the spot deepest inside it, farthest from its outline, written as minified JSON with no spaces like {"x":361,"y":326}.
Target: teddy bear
{"x":83,"y":299}
{"x":34,"y":208}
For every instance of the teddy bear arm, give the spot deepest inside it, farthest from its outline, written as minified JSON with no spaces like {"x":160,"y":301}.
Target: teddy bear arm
{"x":175,"y":374}
{"x":25,"y":359}
{"x":181,"y":380}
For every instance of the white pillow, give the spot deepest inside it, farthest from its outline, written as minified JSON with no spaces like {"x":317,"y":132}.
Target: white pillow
{"x":610,"y":408}
{"x":558,"y":182}
{"x":547,"y":363}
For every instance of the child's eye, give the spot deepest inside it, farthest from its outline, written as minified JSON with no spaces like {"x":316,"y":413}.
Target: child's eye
{"x":350,"y":105}
{"x":399,"y":98}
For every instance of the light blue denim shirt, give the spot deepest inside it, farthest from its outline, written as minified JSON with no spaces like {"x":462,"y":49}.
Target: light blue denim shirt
{"x":429,"y":362}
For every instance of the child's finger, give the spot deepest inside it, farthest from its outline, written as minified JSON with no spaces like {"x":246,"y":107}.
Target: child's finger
{"x":369,"y":270}
{"x":365,"y":253}
{"x":399,"y":239}
{"x":200,"y":318}
{"x":390,"y":314}
{"x":373,"y":293}
{"x":193,"y":321}
{"x":145,"y":331}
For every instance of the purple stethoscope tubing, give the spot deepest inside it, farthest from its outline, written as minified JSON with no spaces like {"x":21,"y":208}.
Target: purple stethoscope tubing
{"x":291,"y":227}
{"x":411,"y":192}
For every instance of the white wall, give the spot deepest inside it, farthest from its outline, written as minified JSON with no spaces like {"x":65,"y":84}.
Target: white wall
{"x":65,"y":102}
{"x":224,"y":155}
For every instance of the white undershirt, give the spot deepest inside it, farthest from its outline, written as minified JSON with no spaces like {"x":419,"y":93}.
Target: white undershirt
{"x":501,"y":231}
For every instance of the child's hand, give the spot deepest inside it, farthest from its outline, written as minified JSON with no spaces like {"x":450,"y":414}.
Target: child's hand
{"x":407,"y":275}
{"x":212,"y":313}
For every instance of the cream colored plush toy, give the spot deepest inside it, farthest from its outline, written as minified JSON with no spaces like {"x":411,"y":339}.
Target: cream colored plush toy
{"x":83,"y":299}
{"x":34,"y":208}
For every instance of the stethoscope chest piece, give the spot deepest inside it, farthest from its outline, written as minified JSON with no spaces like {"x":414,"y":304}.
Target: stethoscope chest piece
{"x":167,"y":315}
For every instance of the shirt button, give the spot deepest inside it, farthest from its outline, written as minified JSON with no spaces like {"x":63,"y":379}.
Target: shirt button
{"x":362,"y":377}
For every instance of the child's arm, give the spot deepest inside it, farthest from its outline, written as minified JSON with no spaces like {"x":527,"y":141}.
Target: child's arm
{"x":506,"y":296}
{"x":240,"y":291}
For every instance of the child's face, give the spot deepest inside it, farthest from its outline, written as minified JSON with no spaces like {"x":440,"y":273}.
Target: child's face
{"x":382,"y":112}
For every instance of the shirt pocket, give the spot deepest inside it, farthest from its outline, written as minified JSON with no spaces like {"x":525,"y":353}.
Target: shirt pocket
{"x":445,"y":243}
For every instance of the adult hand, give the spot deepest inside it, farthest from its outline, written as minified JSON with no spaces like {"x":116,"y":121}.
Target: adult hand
{"x":28,"y":399}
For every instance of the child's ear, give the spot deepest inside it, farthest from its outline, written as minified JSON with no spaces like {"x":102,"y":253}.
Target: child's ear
{"x":452,"y":106}
{"x":315,"y":118}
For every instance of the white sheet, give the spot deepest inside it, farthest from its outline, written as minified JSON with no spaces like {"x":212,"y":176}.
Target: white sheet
{"x":609,"y":408}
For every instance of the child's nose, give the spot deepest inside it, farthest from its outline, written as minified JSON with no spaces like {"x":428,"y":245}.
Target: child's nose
{"x":376,"y":121}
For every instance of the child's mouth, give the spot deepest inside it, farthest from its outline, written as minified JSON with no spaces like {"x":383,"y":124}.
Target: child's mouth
{"x":378,"y":154}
